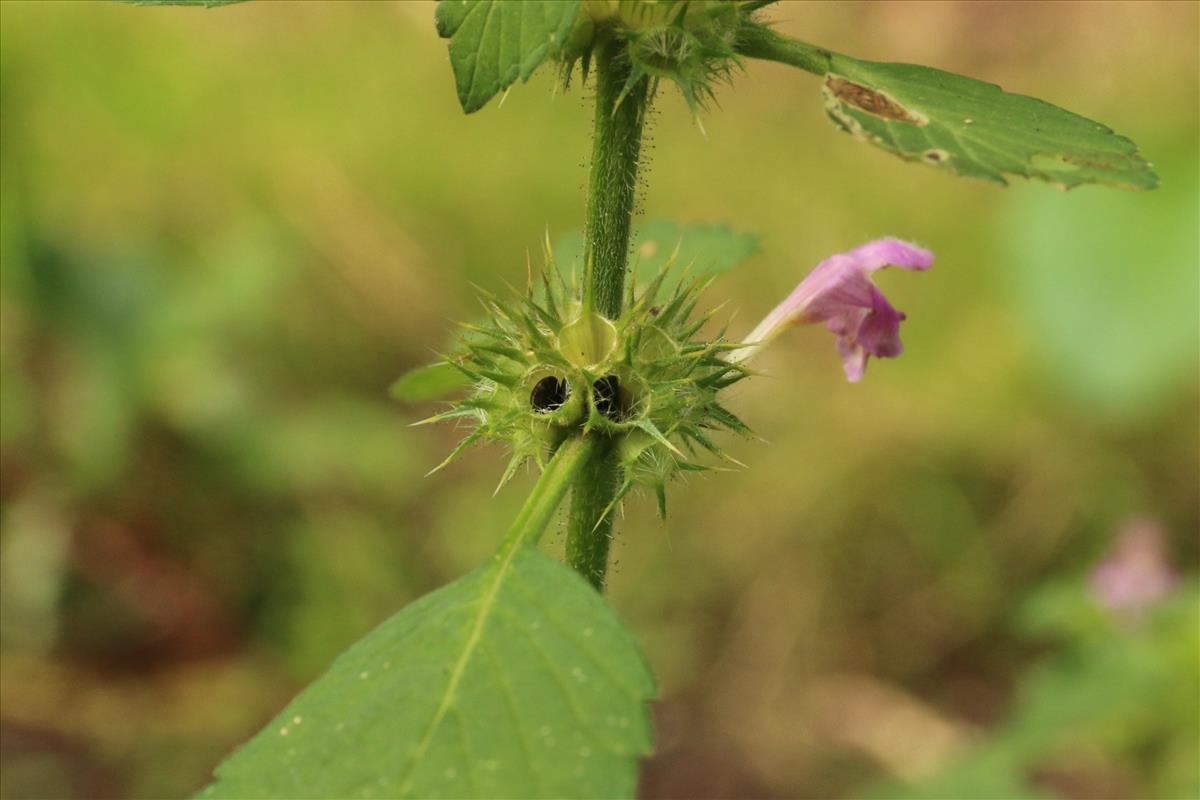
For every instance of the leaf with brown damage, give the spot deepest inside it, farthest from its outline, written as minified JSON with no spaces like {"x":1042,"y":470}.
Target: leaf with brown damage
{"x":959,"y":124}
{"x":974,"y":128}
{"x":841,"y":90}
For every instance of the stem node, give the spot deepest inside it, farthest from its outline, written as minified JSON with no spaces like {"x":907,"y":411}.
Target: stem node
{"x":612,"y":188}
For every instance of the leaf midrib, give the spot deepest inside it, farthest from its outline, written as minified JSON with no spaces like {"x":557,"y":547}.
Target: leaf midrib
{"x":486,"y":607}
{"x":473,"y":84}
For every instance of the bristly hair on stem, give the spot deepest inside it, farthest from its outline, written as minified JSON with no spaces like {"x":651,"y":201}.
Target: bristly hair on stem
{"x":619,"y":125}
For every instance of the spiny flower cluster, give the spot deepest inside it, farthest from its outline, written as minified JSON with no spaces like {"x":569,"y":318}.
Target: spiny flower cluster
{"x":689,"y":42}
{"x":545,"y":367}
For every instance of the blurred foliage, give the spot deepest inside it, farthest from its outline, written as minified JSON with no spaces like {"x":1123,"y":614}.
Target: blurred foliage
{"x":223,"y":233}
{"x":1114,"y":694}
{"x":696,"y":251}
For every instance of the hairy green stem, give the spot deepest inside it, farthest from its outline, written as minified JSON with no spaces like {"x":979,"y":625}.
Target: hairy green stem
{"x":589,"y":526}
{"x":759,"y":41}
{"x":570,"y":462}
{"x":612,"y":188}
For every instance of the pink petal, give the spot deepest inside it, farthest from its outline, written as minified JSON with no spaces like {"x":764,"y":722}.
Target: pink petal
{"x":879,"y":333}
{"x":891,"y":252}
{"x":854,"y":359}
{"x":840,"y":293}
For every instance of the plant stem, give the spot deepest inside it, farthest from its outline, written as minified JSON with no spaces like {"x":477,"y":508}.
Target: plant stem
{"x":570,"y":462}
{"x":589,"y":526}
{"x":612,"y":185}
{"x":758,"y":41}
{"x":612,"y":189}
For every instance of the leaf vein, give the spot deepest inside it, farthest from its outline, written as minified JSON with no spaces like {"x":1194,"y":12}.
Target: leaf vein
{"x":510,"y":702}
{"x":487,"y":20}
{"x":541,"y":653}
{"x":486,"y":606}
{"x":568,"y":634}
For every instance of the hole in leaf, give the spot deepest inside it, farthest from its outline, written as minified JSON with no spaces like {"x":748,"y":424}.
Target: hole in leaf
{"x":549,"y":394}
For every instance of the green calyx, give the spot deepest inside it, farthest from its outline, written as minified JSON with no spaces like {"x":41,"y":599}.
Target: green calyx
{"x":692,"y":43}
{"x":545,"y":368}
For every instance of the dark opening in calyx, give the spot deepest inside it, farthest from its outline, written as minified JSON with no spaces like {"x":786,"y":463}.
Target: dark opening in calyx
{"x":549,"y":394}
{"x":610,"y":401}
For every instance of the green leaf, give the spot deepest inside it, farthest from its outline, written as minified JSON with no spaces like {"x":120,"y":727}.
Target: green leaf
{"x":957,"y":123}
{"x":706,"y":250}
{"x":428,"y":383}
{"x":494,"y":42}
{"x":517,"y":680}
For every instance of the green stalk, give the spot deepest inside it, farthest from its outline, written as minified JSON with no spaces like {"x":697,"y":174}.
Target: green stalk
{"x":570,"y":463}
{"x":612,"y":187}
{"x":589,"y":528}
{"x":759,"y":41}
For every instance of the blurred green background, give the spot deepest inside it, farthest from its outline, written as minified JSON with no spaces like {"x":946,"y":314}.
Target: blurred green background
{"x":225,"y":232}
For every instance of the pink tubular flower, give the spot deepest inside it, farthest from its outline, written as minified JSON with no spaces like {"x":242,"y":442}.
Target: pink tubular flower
{"x":840,"y":293}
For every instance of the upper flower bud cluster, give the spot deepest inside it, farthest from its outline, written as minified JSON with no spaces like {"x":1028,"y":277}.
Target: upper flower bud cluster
{"x":688,"y":42}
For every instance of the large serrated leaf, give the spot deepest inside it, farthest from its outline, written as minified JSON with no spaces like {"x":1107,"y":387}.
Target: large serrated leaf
{"x":516,"y":680}
{"x":495,"y":42}
{"x":974,"y":128}
{"x":957,"y":123}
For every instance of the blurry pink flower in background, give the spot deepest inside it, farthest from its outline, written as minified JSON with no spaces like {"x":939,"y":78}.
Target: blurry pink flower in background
{"x":1135,"y":574}
{"x":840,"y":293}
